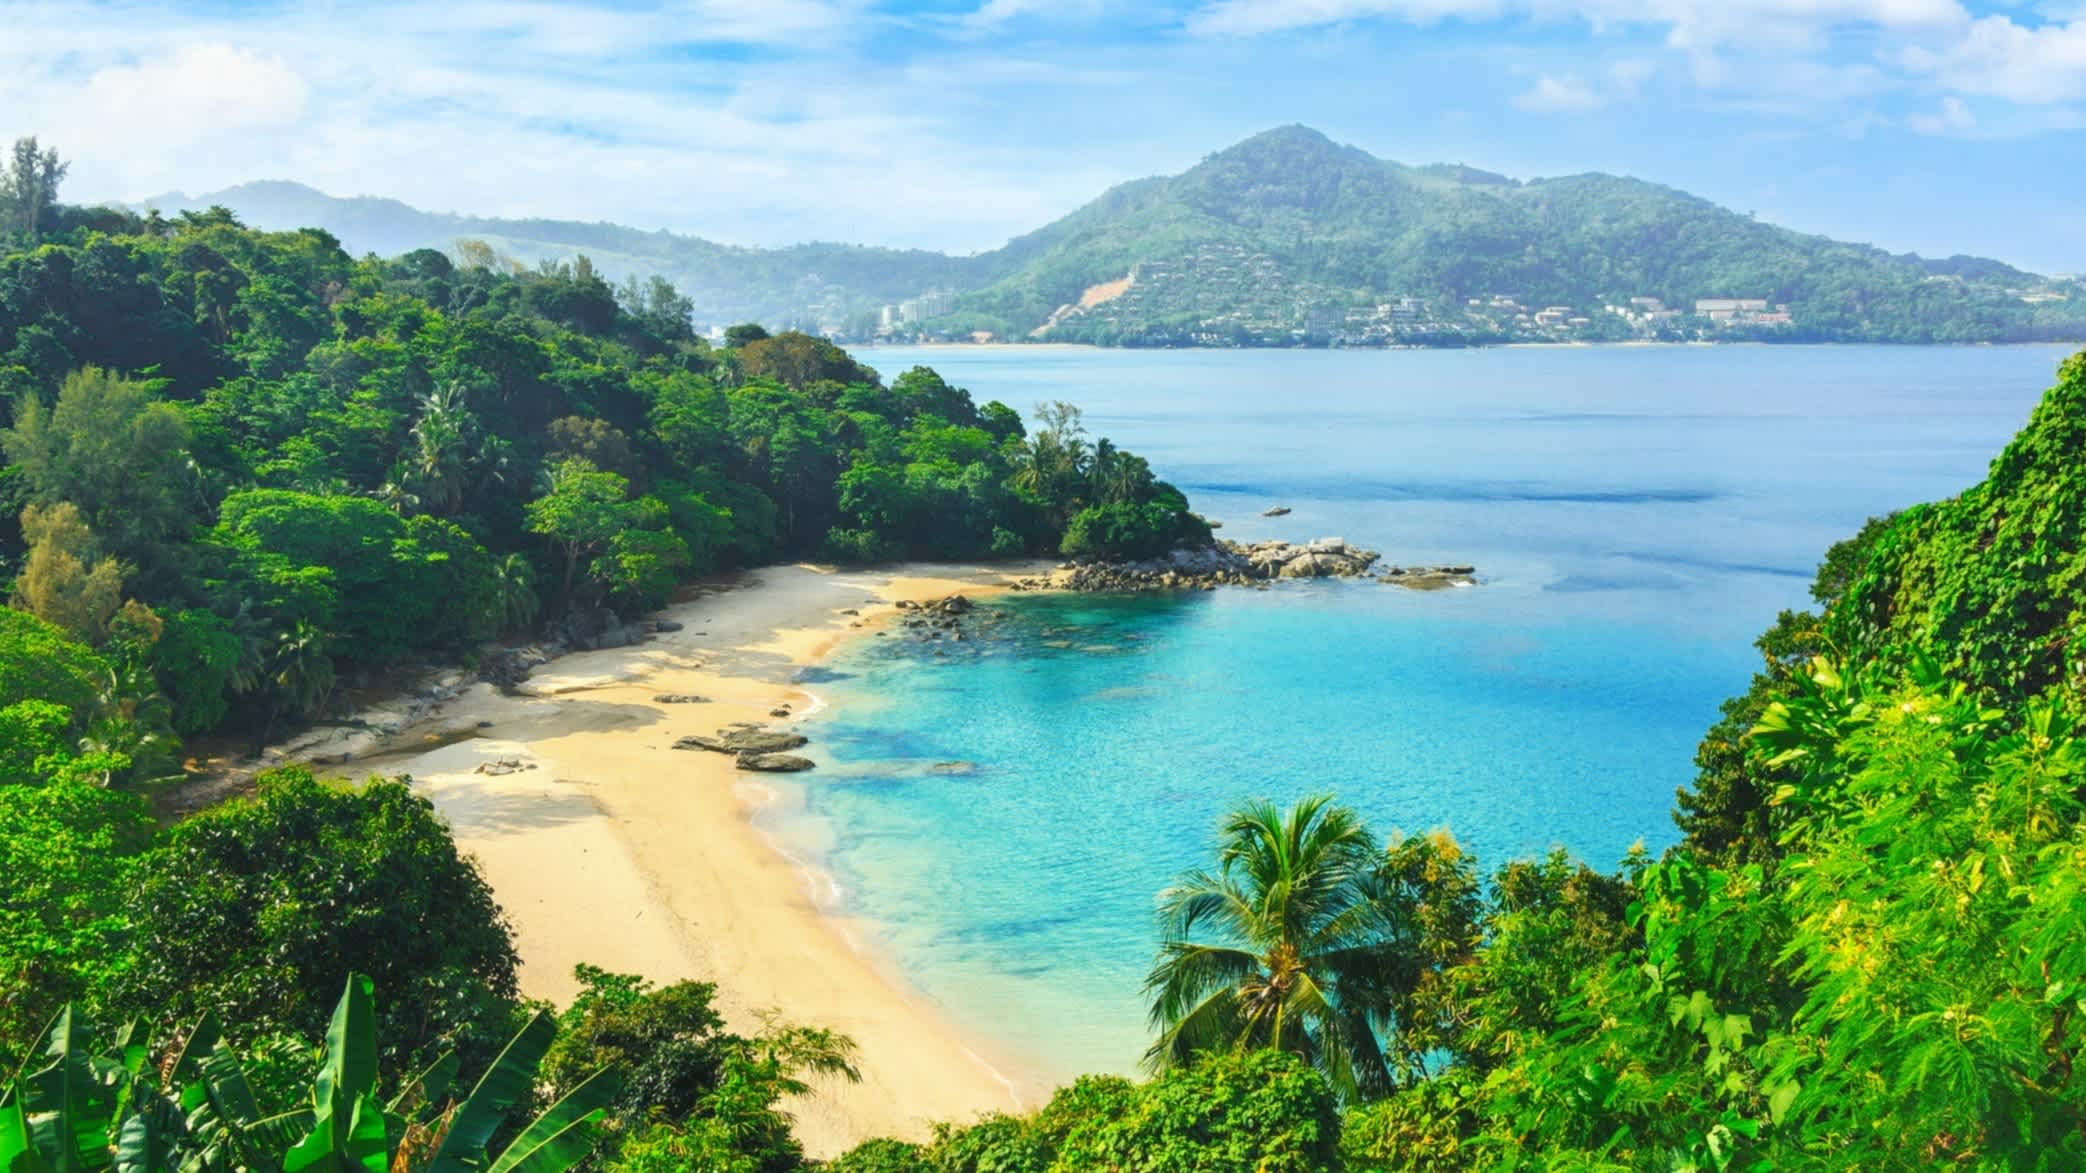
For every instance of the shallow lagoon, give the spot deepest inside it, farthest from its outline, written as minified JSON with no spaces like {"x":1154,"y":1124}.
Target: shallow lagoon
{"x":1638,"y":515}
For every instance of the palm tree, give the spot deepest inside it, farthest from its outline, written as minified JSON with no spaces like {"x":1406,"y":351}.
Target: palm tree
{"x":514,"y":592}
{"x":438,"y":465}
{"x":1285,"y":946}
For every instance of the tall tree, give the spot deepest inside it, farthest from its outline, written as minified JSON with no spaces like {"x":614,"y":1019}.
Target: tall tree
{"x":66,"y":580}
{"x":112,"y":448}
{"x":29,"y":188}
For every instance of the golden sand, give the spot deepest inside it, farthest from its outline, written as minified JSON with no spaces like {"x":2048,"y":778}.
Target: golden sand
{"x":613,"y":848}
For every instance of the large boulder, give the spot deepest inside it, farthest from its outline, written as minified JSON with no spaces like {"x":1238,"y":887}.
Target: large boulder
{"x":589,"y":629}
{"x":774,"y":763}
{"x":743,"y":741}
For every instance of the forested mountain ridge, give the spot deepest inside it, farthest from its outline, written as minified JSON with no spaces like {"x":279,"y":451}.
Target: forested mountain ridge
{"x":1287,"y":237}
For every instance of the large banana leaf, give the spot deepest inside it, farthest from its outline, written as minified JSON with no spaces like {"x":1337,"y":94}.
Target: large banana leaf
{"x":349,"y":1131}
{"x":149,"y":1134}
{"x":505,"y":1084}
{"x":68,"y":1104}
{"x":17,"y":1155}
{"x":563,"y":1135}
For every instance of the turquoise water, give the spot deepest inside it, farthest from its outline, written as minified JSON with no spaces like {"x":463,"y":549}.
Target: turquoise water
{"x":1638,"y":515}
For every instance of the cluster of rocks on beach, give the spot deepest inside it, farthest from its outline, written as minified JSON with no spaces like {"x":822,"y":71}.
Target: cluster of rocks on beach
{"x":754,"y":747}
{"x":588,"y":629}
{"x":1254,"y":564}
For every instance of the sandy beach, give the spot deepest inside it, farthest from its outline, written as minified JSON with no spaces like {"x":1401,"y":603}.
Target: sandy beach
{"x":610,"y":847}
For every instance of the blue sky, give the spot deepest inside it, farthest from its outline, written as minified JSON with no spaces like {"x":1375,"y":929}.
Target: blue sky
{"x":1936,"y":125}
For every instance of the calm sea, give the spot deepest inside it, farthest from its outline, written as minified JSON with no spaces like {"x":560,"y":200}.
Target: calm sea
{"x":1638,"y":516}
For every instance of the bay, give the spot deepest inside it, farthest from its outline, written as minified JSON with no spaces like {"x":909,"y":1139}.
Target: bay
{"x":1637,"y":515}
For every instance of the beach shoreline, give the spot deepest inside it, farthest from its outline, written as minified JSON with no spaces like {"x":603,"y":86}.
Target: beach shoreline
{"x":606,"y":845}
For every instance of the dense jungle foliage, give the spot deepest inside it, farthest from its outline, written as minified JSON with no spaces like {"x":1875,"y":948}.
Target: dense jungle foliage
{"x":242,"y":466}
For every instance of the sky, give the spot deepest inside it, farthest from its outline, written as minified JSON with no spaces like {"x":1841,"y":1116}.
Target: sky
{"x":1941,"y":126}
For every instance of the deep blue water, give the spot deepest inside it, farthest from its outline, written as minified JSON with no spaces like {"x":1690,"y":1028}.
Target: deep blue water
{"x":1638,"y":516}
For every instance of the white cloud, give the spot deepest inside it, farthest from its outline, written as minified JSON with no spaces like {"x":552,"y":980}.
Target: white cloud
{"x":1570,"y":94}
{"x":1552,"y":95}
{"x":194,"y":88}
{"x":1996,"y":57}
{"x":1688,"y":23}
{"x":613,"y":112}
{"x":1953,"y":116}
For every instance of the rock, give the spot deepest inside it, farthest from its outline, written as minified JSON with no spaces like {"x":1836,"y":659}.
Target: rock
{"x":1429,"y":578}
{"x":954,"y":769}
{"x":590,"y":629}
{"x":743,"y":741}
{"x":775,"y":763}
{"x":664,"y":625}
{"x":779,"y":712}
{"x":680,"y":698}
{"x":1275,"y":511}
{"x":503,"y":766}
{"x":507,"y":668}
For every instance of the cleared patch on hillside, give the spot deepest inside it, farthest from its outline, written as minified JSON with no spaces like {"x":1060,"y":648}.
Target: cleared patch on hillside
{"x":1092,"y":296}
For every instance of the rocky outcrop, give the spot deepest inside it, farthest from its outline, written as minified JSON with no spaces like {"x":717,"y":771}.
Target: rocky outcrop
{"x":774,"y":763}
{"x":955,"y":618}
{"x":506,"y":668}
{"x":1430,"y":578}
{"x":590,"y":629}
{"x":1323,"y":558}
{"x":1253,"y":564}
{"x":1275,"y":511}
{"x":1212,"y":566}
{"x":680,"y":698}
{"x":743,"y":741}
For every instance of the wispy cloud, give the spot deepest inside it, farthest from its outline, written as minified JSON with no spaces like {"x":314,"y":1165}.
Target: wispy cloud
{"x":2030,"y":64}
{"x":958,"y":123}
{"x":1952,"y":117}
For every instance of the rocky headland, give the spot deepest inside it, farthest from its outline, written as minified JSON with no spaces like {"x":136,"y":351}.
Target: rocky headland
{"x":1255,"y":564}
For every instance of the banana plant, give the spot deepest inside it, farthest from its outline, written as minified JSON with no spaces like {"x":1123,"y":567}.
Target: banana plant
{"x":83,"y":1112}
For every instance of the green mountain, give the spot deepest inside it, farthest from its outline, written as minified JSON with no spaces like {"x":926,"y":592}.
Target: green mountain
{"x":1289,"y":230}
{"x":1288,"y":236}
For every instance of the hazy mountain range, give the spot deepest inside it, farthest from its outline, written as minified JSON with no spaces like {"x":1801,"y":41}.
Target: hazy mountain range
{"x":1286,"y":233}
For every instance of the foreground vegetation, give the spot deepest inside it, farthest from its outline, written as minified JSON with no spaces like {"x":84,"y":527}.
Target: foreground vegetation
{"x":248,"y":466}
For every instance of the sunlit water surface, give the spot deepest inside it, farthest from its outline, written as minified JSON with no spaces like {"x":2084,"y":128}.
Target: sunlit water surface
{"x":1638,"y":516}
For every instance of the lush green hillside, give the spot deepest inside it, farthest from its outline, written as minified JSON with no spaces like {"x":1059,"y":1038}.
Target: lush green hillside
{"x":1253,"y":240}
{"x":1288,"y":237}
{"x":242,"y":464}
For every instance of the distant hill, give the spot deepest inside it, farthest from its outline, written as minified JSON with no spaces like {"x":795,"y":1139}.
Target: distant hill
{"x":1288,"y":236}
{"x":807,"y":285}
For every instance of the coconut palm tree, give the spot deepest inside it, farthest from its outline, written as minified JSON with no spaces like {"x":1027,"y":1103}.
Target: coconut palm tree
{"x":514,"y":592}
{"x":1285,"y":946}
